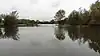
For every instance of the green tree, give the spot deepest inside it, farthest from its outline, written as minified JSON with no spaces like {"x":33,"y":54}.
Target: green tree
{"x":84,"y":16}
{"x":73,"y":18}
{"x":59,"y":15}
{"x":95,"y":12}
{"x":10,"y":20}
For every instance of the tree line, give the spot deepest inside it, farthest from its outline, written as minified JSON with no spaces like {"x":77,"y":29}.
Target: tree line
{"x":12,"y":19}
{"x":81,"y":16}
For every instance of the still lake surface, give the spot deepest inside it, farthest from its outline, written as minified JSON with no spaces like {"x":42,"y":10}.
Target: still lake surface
{"x":50,"y":40}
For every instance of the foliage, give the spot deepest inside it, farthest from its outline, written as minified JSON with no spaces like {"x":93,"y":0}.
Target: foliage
{"x":83,"y":16}
{"x":95,"y":12}
{"x":10,"y":20}
{"x":59,"y":15}
{"x":74,"y":17}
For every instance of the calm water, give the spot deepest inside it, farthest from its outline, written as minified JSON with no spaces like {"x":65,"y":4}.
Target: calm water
{"x":48,"y":40}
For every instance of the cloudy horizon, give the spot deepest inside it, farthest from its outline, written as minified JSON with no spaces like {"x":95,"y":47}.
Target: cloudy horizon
{"x":42,"y":9}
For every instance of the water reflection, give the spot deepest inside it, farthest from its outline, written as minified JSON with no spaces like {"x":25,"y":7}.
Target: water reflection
{"x":9,"y":33}
{"x":74,"y":32}
{"x":86,"y":34}
{"x":1,"y":32}
{"x":59,"y":33}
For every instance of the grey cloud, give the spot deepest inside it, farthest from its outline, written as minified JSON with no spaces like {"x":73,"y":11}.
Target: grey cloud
{"x":56,"y":4}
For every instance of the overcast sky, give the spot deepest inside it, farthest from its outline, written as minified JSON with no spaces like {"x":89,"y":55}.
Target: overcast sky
{"x":42,"y":9}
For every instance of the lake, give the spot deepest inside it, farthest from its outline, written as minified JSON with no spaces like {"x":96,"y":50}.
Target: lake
{"x":50,"y":40}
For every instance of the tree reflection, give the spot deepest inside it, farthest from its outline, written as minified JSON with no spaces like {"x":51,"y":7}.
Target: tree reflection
{"x":86,"y":34}
{"x":59,"y":33}
{"x":73,"y":32}
{"x":11,"y":33}
{"x":93,"y":36}
{"x":1,"y":32}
